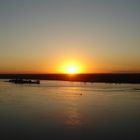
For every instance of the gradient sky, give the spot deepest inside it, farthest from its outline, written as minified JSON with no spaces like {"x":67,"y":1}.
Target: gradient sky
{"x":42,"y":36}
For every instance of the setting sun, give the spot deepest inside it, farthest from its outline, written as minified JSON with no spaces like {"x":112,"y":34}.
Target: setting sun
{"x":72,"y":70}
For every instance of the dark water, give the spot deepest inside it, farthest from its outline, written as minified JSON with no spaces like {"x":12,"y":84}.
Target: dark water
{"x":69,"y":111}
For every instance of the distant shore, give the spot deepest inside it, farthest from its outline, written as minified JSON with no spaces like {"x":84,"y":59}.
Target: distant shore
{"x":98,"y":78}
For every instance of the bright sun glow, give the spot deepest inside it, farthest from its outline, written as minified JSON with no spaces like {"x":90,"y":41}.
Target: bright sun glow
{"x":72,"y":70}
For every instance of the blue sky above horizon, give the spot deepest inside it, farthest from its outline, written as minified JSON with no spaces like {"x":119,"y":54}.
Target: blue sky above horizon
{"x":43,"y":35}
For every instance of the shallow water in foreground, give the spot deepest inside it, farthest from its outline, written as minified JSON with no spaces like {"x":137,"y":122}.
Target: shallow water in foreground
{"x":69,"y":111}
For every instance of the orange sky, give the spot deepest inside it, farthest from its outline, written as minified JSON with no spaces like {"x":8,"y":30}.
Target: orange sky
{"x":47,"y":36}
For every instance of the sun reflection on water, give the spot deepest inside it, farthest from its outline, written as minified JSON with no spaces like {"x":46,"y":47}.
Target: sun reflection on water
{"x":72,"y":117}
{"x":72,"y":113}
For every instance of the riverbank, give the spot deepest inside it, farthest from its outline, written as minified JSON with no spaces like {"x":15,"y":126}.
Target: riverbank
{"x":98,"y":78}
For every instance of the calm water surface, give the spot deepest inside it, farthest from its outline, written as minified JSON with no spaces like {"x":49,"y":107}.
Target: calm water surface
{"x":69,"y":111}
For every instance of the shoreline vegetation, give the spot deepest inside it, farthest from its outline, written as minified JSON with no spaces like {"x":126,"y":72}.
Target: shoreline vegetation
{"x":98,"y":78}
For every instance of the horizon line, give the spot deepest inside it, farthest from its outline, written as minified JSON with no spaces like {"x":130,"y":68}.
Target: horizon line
{"x":68,"y":73}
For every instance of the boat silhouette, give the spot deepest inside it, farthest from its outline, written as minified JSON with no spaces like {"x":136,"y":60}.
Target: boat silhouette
{"x":24,"y":81}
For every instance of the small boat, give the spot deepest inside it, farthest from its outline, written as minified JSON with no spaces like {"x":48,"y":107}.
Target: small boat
{"x":23,"y":81}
